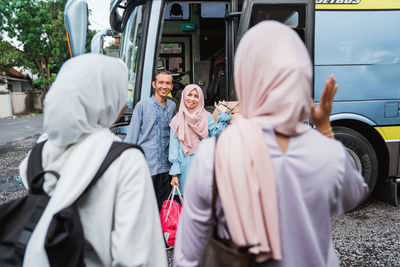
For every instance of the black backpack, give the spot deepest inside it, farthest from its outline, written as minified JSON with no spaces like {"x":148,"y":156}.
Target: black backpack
{"x":18,"y":218}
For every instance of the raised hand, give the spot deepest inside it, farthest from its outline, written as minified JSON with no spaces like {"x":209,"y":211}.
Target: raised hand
{"x":320,"y":116}
{"x":222,"y":106}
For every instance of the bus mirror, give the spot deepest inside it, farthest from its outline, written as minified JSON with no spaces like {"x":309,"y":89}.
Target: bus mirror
{"x":76,"y":23}
{"x":96,"y":46}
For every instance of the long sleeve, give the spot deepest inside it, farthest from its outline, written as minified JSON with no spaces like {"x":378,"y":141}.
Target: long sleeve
{"x":173,"y":156}
{"x":351,"y":189}
{"x":132,"y":135}
{"x":217,"y":127}
{"x":194,"y":223}
{"x":136,"y":239}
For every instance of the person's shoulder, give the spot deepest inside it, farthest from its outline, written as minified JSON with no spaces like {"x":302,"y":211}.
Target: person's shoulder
{"x":331,"y":147}
{"x":171,"y":102}
{"x":145,"y":101}
{"x":142,"y":104}
{"x":139,"y":104}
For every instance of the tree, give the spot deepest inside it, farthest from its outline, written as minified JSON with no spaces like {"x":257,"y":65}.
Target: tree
{"x":89,"y":37}
{"x":10,"y":56}
{"x":38,"y":26}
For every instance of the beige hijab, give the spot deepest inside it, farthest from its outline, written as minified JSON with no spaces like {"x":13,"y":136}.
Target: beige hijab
{"x":273,"y":81}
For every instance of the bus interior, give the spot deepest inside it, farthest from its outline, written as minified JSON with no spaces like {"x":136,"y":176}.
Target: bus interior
{"x":195,"y":37}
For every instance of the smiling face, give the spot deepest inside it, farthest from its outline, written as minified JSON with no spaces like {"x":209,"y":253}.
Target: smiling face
{"x":192,"y":99}
{"x":162,"y":86}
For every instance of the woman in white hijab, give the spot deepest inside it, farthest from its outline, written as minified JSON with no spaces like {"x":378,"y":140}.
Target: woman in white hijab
{"x":119,"y":213}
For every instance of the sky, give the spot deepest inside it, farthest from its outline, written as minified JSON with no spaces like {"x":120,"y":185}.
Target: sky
{"x":99,"y":18}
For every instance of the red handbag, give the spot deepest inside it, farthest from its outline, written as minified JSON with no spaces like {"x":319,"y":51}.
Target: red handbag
{"x":169,"y":215}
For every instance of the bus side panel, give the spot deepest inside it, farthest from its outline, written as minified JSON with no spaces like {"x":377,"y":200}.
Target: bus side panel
{"x":373,"y":110}
{"x":357,"y":37}
{"x":362,"y":49}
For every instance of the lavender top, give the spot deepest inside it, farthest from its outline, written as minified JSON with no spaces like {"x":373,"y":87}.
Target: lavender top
{"x":315,"y":179}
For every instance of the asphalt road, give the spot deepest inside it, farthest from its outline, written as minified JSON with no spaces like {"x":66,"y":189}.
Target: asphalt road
{"x":12,"y":130}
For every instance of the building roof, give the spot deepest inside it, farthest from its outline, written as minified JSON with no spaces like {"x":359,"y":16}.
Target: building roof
{"x":16,"y":74}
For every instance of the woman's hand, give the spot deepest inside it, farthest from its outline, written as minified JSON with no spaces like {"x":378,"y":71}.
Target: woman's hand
{"x":320,"y":116}
{"x":222,"y":106}
{"x":175,"y":180}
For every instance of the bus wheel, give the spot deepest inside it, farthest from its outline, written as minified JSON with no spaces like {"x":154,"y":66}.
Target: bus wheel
{"x":361,"y":152}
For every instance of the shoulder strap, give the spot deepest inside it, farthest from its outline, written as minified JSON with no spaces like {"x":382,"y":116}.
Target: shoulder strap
{"x":115,"y":151}
{"x":35,"y":172}
{"x":35,"y":160}
{"x":214,"y":193}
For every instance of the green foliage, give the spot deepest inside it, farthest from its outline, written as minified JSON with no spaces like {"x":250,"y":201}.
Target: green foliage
{"x":10,"y":56}
{"x":89,"y":37}
{"x":38,"y":27}
{"x":38,"y":83}
{"x":113,"y":45}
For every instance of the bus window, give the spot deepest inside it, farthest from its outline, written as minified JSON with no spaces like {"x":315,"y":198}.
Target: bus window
{"x":130,"y":46}
{"x":292,"y":15}
{"x":299,"y":16}
{"x":173,"y":57}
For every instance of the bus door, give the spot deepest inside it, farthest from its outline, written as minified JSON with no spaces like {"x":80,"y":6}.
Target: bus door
{"x":193,"y":46}
{"x":297,"y":14}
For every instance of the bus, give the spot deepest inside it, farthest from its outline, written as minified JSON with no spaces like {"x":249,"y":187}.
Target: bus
{"x":356,"y":40}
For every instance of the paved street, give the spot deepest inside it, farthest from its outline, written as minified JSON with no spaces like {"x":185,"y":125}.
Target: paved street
{"x":20,"y":128}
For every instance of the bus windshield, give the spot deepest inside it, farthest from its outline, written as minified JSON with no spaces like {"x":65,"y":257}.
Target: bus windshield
{"x":130,"y":47}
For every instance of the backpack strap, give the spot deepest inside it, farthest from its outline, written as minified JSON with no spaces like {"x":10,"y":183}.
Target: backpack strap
{"x":115,"y":151}
{"x":35,"y":172}
{"x":35,"y":177}
{"x":35,"y":161}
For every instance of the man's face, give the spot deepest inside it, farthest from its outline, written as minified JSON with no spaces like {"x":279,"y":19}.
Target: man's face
{"x":162,"y":85}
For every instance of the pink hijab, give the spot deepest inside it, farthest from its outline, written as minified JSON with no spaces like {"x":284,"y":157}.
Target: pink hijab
{"x":273,"y":81}
{"x":190,"y":126}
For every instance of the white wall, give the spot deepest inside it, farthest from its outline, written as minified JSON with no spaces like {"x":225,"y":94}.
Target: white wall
{"x":18,"y":102}
{"x":37,"y":101}
{"x":5,"y":105}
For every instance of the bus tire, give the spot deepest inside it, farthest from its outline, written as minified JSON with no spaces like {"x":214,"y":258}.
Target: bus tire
{"x":362,"y":154}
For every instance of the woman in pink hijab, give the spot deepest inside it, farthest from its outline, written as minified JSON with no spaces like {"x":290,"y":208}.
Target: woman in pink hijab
{"x":279,"y":180}
{"x":191,"y":124}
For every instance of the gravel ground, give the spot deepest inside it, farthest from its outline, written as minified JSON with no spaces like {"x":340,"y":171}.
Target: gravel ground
{"x":11,"y":155}
{"x":368,"y":236}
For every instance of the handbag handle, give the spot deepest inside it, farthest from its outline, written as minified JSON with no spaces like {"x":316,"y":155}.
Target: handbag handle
{"x":171,"y":197}
{"x":179,"y":194}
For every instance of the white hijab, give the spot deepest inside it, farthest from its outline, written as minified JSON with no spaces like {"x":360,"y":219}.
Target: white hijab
{"x":83,"y":102}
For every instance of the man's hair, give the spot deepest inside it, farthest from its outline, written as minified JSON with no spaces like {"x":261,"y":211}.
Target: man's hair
{"x":160,"y":72}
